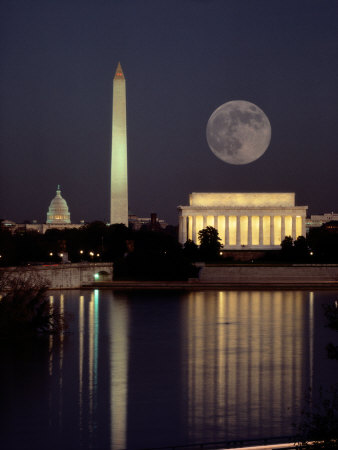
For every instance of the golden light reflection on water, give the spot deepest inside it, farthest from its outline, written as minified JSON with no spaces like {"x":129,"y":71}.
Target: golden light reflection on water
{"x":50,"y":347}
{"x":118,"y":324}
{"x":242,"y":360}
{"x":81,"y":353}
{"x":50,"y":360}
{"x":86,"y":363}
{"x":244,"y":363}
{"x":61,"y":350}
{"x":93,"y":354}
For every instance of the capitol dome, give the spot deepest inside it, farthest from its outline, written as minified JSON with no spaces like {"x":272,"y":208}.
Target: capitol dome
{"x":58,"y":212}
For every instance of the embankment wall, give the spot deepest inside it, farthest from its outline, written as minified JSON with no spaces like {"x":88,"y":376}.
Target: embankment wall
{"x":65,"y":276}
{"x":270,"y":274}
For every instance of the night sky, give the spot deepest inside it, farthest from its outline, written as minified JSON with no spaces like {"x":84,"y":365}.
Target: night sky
{"x":181,"y":59}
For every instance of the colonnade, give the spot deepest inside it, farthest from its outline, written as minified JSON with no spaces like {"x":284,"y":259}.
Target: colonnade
{"x":243,"y":230}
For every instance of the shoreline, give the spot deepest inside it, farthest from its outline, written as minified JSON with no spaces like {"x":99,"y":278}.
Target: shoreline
{"x":201,"y":286}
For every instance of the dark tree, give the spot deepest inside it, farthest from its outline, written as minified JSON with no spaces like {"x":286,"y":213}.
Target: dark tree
{"x":210,"y":244}
{"x":115,"y":242}
{"x":301,"y":248}
{"x":24,"y":307}
{"x":323,"y":243}
{"x":191,"y":250}
{"x":319,"y":427}
{"x":287,"y":251}
{"x":294,"y":250}
{"x":331,"y":314}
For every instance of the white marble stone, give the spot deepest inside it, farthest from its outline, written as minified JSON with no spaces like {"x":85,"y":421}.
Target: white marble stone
{"x":244,"y":220}
{"x":119,"y":174}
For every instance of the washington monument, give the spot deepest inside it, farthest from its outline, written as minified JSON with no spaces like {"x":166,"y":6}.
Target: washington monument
{"x":119,"y":175}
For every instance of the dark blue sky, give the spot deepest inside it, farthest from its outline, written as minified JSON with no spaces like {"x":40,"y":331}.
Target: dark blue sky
{"x":182,"y":59}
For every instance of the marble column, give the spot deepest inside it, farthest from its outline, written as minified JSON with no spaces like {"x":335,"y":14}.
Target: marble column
{"x":194,"y":237}
{"x":181,"y":228}
{"x":250,"y":230}
{"x":272,"y":230}
{"x":216,"y":225}
{"x":303,"y":227}
{"x":204,"y":221}
{"x":238,"y":231}
{"x":294,"y":228}
{"x":226,"y":234}
{"x":282,"y":228}
{"x":260,"y":230}
{"x":185,"y":228}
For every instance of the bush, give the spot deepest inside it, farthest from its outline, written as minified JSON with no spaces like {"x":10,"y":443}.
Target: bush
{"x":319,"y":428}
{"x":24,"y":307}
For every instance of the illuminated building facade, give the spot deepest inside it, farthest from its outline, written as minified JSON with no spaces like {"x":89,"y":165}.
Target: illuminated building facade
{"x":151,"y":223}
{"x":58,"y":217}
{"x":243,"y":220}
{"x":58,"y":212}
{"x":119,"y":175}
{"x":317,"y":220}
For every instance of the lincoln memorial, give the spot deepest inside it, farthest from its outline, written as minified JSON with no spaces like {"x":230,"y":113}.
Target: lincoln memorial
{"x":243,"y":220}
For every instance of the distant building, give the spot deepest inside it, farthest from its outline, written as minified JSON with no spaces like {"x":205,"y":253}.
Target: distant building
{"x":58,"y":217}
{"x":317,"y":220}
{"x":58,"y":212}
{"x":331,"y":226}
{"x":243,"y":220}
{"x":153,"y":222}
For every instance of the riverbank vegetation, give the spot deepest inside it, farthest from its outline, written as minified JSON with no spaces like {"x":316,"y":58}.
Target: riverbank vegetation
{"x":153,"y":253}
{"x":145,"y":254}
{"x":25,"y":310}
{"x":319,"y":426}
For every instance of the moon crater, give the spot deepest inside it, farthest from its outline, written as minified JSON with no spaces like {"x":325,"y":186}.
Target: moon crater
{"x":238,"y":132}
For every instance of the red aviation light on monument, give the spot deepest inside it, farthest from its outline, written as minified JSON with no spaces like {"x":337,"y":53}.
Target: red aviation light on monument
{"x":119,"y":73}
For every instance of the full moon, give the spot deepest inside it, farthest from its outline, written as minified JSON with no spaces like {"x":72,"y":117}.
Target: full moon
{"x":238,"y":132}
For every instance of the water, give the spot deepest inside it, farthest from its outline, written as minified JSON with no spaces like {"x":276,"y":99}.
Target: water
{"x":147,"y":369}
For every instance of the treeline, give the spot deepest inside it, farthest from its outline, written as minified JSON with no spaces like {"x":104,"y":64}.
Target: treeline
{"x":149,"y":253}
{"x":142,"y":254}
{"x":320,"y":246}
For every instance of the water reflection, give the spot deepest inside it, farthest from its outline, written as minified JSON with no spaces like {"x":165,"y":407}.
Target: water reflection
{"x":118,"y":351}
{"x":247,"y":361}
{"x":81,"y":362}
{"x":154,"y":369}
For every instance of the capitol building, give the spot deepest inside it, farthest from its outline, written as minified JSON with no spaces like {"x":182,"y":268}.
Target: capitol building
{"x":58,"y":217}
{"x":58,"y":212}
